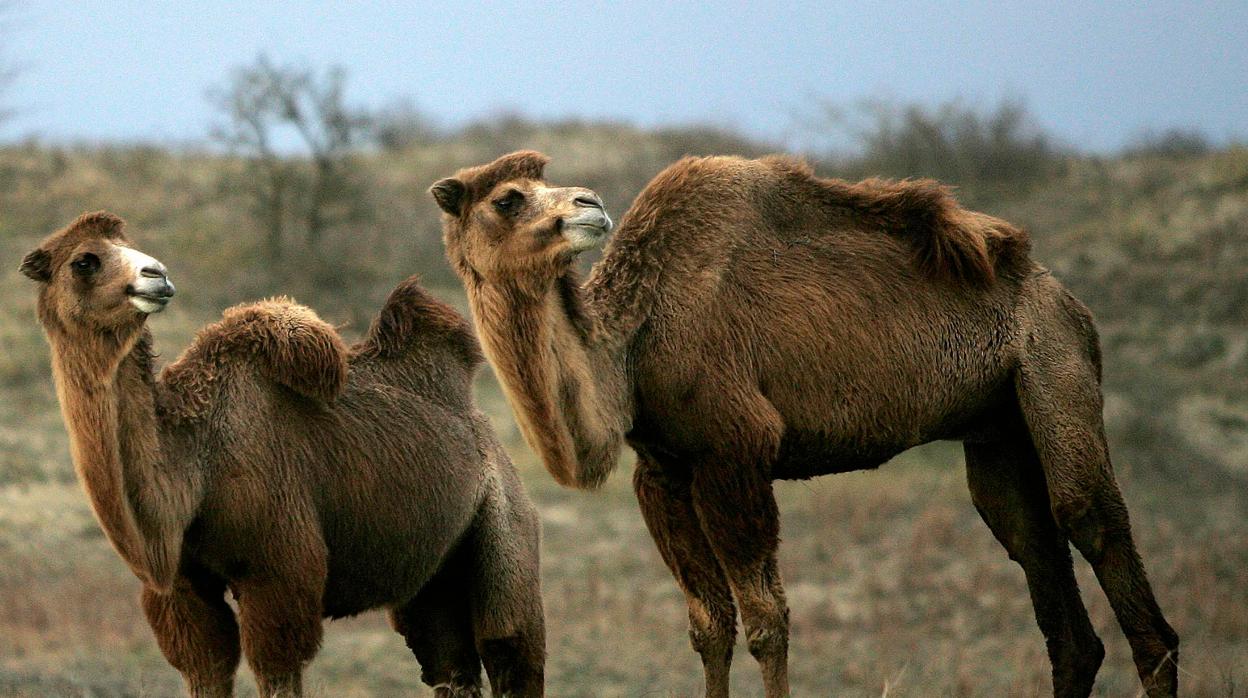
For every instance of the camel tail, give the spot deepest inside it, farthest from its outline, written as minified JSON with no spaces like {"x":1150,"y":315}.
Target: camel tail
{"x":413,"y":320}
{"x":290,"y":344}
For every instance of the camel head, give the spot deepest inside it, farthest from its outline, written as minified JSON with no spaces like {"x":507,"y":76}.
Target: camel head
{"x":92,"y":280}
{"x":502,"y":220}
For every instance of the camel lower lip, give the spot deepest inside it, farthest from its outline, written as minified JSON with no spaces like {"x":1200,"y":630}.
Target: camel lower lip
{"x":149,"y":304}
{"x":584,"y":237}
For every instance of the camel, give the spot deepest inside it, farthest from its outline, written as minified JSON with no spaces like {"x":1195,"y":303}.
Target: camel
{"x":309,"y":478}
{"x":749,"y":322}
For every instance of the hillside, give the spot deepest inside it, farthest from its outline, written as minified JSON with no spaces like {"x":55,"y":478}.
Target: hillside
{"x":1155,"y":246}
{"x":893,"y":580}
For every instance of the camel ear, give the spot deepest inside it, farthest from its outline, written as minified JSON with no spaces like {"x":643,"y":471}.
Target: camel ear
{"x":449,"y":193}
{"x":37,"y":265}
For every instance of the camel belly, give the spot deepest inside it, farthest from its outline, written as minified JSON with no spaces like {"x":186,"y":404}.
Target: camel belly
{"x":383,"y":508}
{"x":821,"y":406}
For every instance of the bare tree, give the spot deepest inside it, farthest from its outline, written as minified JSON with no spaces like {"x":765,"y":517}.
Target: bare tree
{"x":299,"y":138}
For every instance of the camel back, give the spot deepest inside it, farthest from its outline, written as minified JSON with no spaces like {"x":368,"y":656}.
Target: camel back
{"x":949,"y":241}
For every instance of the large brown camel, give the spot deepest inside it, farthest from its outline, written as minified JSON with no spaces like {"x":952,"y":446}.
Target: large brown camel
{"x":752,"y":322}
{"x":308,"y":478}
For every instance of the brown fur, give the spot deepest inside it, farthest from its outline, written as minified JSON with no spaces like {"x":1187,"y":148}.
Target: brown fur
{"x":308,"y":478}
{"x":750,"y":322}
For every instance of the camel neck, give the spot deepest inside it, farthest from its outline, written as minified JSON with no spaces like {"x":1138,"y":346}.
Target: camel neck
{"x":567,"y":386}
{"x":107,"y":396}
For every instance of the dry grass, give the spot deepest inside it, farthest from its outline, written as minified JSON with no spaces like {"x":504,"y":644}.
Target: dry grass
{"x":895,"y":586}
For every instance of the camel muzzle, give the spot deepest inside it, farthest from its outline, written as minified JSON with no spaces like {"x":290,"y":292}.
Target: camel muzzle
{"x":151,"y":292}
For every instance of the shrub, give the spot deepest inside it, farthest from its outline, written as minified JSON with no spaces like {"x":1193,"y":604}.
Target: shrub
{"x":985,"y":152}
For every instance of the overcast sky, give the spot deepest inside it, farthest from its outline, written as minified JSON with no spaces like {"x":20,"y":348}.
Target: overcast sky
{"x":1093,"y":73}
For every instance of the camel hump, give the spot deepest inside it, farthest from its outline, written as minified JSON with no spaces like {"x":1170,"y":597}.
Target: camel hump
{"x":288,"y":342}
{"x":949,"y":241}
{"x":413,"y":320}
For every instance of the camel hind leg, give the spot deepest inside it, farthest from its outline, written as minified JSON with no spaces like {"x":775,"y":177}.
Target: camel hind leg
{"x":504,"y":585}
{"x":1008,"y":489}
{"x":1058,"y":386}
{"x":437,"y":629}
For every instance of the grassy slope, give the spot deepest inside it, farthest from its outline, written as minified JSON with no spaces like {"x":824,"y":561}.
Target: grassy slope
{"x":894,"y":583}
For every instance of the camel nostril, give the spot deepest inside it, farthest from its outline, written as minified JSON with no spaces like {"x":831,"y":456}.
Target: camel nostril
{"x":152,"y":272}
{"x":589,"y":201}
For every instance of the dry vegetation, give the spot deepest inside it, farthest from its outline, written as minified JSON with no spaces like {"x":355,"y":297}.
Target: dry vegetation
{"x":895,"y":585}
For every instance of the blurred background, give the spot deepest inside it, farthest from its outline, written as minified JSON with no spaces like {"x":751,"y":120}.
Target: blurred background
{"x":261,"y":148}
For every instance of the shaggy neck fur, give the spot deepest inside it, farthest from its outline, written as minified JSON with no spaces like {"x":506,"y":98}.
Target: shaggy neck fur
{"x":107,"y":396}
{"x":566,"y":378}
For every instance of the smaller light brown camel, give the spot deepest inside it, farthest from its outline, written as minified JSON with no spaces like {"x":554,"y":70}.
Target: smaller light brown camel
{"x":749,"y":322}
{"x":308,"y":478}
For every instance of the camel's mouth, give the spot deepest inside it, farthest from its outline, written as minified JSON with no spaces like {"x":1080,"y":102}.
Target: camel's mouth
{"x":153,"y":299}
{"x":587,"y":229}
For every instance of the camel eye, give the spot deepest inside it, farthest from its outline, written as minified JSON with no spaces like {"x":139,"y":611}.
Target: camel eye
{"x":86,"y":265}
{"x":509,"y":203}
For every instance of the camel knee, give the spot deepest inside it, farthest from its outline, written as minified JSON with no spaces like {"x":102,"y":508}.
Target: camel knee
{"x":1171,"y":638}
{"x":1093,"y":521}
{"x":1071,"y":504}
{"x":1075,"y":664}
{"x":711,"y":644}
{"x":712,"y":630}
{"x":766,"y":642}
{"x":515,"y":665}
{"x":767,"y":631}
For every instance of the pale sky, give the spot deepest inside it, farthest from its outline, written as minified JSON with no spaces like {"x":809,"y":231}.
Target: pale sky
{"x":1093,"y":73}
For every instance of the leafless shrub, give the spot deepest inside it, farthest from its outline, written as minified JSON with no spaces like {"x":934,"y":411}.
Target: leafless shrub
{"x":985,"y":152}
{"x":299,"y":139}
{"x":1169,"y":143}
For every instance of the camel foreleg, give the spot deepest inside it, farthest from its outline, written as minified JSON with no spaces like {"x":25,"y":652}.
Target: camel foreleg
{"x":667,"y":507}
{"x":197,"y":633}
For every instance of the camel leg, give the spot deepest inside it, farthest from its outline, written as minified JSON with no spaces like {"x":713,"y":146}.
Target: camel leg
{"x":667,"y":507}
{"x":280,"y":611}
{"x":196,"y":632}
{"x":1058,"y":390}
{"x":738,"y":514}
{"x":436,"y":627}
{"x":506,"y":590}
{"x":1007,"y":486}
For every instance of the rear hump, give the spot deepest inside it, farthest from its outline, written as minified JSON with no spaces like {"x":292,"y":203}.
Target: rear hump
{"x":949,"y":241}
{"x":413,"y":320}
